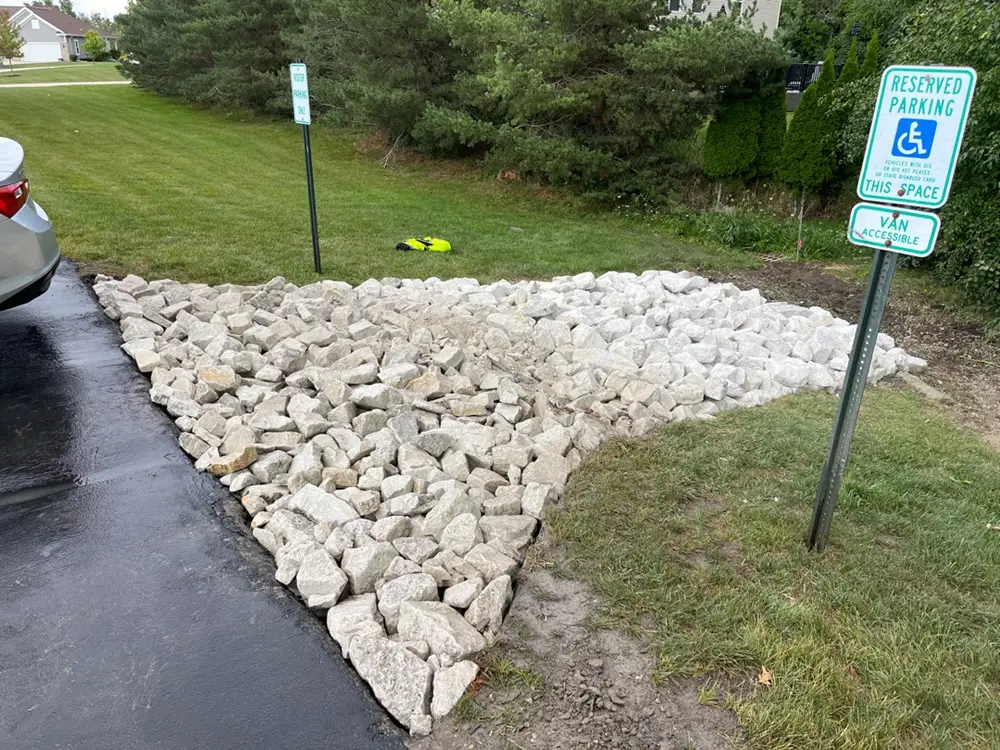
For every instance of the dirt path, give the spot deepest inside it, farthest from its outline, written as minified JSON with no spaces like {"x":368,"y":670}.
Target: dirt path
{"x":962,"y":362}
{"x":558,"y":682}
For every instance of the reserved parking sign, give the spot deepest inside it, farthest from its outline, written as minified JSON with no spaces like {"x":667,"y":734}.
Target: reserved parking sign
{"x":916,"y":134}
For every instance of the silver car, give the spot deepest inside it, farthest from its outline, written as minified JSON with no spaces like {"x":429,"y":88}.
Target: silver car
{"x":29,"y":253}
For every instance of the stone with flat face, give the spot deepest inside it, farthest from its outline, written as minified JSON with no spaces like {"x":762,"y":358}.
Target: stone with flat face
{"x":365,"y":565}
{"x":447,"y":633}
{"x":320,"y":506}
{"x":406,"y":588}
{"x":450,"y":684}
{"x":486,"y":613}
{"x":233,"y":462}
{"x":400,"y":680}
{"x":319,"y":580}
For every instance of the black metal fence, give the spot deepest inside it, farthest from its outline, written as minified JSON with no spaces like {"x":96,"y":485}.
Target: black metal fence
{"x":799,"y":76}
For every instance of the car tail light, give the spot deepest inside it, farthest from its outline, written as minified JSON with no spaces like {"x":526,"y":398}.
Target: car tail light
{"x":12,"y":198}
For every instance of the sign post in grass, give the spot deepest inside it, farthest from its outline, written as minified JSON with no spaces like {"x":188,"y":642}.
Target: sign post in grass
{"x":916,"y":134}
{"x":303,"y":116}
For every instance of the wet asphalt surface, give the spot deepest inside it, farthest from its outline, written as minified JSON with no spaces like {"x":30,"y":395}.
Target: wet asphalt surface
{"x":135,"y":611}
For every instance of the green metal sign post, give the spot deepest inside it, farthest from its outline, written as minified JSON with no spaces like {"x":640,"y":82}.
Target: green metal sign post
{"x":913,"y":147}
{"x":303,"y":116}
{"x":883,"y":269}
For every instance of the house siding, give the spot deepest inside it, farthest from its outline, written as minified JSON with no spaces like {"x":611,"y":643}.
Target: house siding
{"x":767,"y":16}
{"x":44,"y":32}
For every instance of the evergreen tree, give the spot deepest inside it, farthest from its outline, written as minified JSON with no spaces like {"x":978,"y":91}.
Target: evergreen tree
{"x":241,"y":75}
{"x":733,"y":139}
{"x":827,"y":80}
{"x":773,"y":127}
{"x":598,"y":94}
{"x":840,"y":111}
{"x":807,"y":159}
{"x":375,"y":69}
{"x":851,"y":71}
{"x":870,"y":65}
{"x":808,"y":26}
{"x":200,"y":51}
{"x":158,"y":36}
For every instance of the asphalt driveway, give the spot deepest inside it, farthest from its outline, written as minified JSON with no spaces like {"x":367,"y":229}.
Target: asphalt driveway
{"x":135,"y":612}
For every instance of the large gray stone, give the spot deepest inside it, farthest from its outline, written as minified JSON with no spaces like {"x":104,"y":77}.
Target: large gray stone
{"x":450,"y":684}
{"x":486,"y":613}
{"x":515,"y":531}
{"x":400,"y":681}
{"x":319,"y":579}
{"x":449,"y":636}
{"x":461,"y":595}
{"x":365,"y":565}
{"x":321,"y":506}
{"x":462,"y":534}
{"x":549,"y":468}
{"x":417,"y":549}
{"x":448,"y":509}
{"x":405,"y":588}
{"x":490,"y":562}
{"x":377,"y":396}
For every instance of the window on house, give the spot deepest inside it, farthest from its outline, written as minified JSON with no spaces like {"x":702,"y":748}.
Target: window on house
{"x":674,"y":6}
{"x":34,"y":23}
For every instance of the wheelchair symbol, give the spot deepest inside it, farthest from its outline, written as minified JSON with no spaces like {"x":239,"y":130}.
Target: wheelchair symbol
{"x":914,"y":138}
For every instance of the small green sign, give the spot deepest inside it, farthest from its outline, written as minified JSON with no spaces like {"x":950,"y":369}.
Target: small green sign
{"x":897,"y":230}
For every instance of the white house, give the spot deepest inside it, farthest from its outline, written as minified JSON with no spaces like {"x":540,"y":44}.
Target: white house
{"x":767,"y":16}
{"x":51,"y":35}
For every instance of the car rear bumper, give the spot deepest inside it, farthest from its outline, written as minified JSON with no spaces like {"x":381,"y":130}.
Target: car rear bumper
{"x":29,"y":256}
{"x":34,"y":289}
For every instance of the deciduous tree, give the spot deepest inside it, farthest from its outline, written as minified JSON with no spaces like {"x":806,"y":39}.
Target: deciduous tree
{"x":11,"y":43}
{"x":93,"y":44}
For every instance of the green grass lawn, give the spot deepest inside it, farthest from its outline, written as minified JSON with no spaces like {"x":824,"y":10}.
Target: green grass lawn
{"x":890,"y":639}
{"x":65,"y":73}
{"x":138,"y":183}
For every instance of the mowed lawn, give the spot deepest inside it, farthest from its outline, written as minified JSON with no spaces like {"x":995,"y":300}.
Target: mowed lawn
{"x":62,"y":73}
{"x":889,"y":639}
{"x":137,"y":183}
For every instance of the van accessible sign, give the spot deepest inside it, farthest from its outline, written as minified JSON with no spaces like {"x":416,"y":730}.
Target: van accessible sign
{"x":897,"y":229}
{"x":919,"y":123}
{"x":300,"y":94}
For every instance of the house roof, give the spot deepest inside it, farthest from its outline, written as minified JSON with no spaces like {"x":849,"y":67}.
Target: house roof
{"x":11,"y":9}
{"x":61,"y":21}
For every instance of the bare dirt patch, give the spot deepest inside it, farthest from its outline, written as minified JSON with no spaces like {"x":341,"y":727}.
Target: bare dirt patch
{"x":963,"y":362}
{"x":555,"y":680}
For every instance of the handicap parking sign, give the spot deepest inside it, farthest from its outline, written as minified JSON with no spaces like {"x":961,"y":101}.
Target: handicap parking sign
{"x":914,"y":138}
{"x":920,"y":118}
